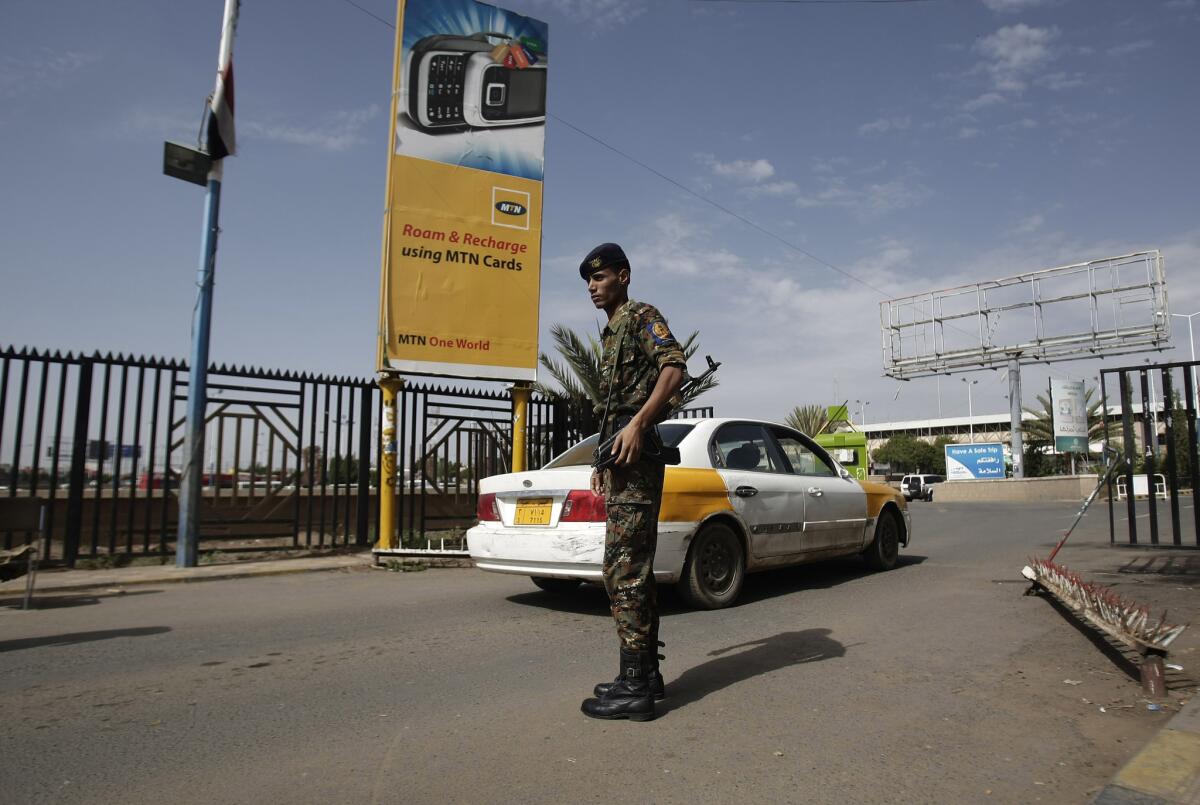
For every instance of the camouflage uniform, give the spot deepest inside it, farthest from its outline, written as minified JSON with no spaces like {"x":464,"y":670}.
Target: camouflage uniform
{"x":633,"y":492}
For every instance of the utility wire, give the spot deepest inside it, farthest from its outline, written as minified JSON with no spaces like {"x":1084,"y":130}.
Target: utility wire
{"x":817,"y":2}
{"x":719,"y":206}
{"x":370,"y":13}
{"x":685,"y":188}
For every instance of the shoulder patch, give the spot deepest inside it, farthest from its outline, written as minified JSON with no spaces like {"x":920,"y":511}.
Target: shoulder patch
{"x":659,"y":332}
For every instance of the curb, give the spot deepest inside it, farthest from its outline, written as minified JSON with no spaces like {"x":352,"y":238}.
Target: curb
{"x":1166,"y":770}
{"x":189,"y":575}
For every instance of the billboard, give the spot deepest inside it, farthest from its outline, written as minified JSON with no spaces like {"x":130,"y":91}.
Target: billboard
{"x":462,"y":233}
{"x":974,"y":462}
{"x":1070,"y":416}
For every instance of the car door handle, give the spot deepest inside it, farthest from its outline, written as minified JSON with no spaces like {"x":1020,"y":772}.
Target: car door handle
{"x":816,"y":491}
{"x":745,"y":491}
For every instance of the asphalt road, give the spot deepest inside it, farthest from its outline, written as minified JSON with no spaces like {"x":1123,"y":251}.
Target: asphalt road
{"x":935,"y":682}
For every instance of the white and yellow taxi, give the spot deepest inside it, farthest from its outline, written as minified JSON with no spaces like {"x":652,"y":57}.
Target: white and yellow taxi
{"x":747,"y":495}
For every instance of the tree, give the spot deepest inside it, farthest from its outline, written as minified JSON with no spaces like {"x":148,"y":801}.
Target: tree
{"x":906,"y":453}
{"x":809,"y":419}
{"x":578,"y":376}
{"x":1179,"y":433}
{"x":939,"y":446}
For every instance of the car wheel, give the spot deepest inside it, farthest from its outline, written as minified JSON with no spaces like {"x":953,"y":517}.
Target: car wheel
{"x":557,"y":586}
{"x":884,"y":550}
{"x":715,"y":568}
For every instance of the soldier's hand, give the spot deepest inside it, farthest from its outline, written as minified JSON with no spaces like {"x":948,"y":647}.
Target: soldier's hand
{"x":628,"y":444}
{"x":597,"y":483}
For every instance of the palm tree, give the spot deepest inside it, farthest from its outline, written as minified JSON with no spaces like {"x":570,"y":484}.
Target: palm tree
{"x":578,"y":375}
{"x":1039,"y":432}
{"x":809,"y":419}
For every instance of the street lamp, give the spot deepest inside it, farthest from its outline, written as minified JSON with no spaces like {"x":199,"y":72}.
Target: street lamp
{"x":970,"y":408}
{"x":1195,"y":390}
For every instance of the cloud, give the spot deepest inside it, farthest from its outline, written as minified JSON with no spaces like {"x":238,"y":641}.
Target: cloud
{"x":782,"y":188}
{"x":968,"y":133}
{"x":677,"y":246}
{"x":867,"y":198}
{"x":47,"y":70}
{"x":742,"y":170}
{"x":600,"y":14}
{"x":884,"y":124}
{"x":1012,"y":6}
{"x":983,"y":101}
{"x":1024,"y":123}
{"x":338,"y":132}
{"x":1058,"y":82}
{"x":1029,"y":224}
{"x":1131,"y":47}
{"x":1015,"y":52}
{"x":830,"y":165}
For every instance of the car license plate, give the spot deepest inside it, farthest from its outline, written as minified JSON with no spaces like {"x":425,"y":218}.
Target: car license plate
{"x":534,"y":511}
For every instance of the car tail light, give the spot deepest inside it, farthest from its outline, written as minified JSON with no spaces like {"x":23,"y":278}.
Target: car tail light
{"x":486,"y":508}
{"x":583,"y":506}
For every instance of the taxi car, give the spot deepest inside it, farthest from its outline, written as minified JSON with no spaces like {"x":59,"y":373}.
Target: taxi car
{"x":747,"y":495}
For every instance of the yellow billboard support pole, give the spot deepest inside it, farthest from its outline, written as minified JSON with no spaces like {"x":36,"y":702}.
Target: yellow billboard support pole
{"x":520,"y":396}
{"x":388,"y":510}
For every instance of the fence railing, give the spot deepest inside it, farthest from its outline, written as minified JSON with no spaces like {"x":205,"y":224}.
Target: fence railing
{"x":1164,"y":398}
{"x":290,"y":458}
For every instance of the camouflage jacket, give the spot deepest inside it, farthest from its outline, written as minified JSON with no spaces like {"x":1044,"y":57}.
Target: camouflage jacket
{"x":647,"y":346}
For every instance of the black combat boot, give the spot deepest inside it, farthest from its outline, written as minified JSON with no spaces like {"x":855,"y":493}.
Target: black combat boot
{"x":630,"y":697}
{"x":657,"y":687}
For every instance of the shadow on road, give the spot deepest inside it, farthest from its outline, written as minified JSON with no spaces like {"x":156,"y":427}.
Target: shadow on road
{"x":761,"y":657}
{"x":590,"y":599}
{"x":819,"y":576}
{"x":73,"y":638}
{"x":68,"y":600}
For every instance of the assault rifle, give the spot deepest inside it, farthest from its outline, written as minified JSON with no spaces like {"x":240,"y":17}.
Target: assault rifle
{"x":653,"y":447}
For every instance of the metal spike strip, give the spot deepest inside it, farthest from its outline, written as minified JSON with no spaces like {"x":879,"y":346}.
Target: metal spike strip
{"x":1126,"y":617}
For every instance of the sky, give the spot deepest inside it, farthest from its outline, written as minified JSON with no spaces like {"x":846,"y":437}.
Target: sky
{"x":885,"y":149}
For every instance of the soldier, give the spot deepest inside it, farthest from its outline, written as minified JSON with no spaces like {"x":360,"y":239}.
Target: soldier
{"x":641,"y":370}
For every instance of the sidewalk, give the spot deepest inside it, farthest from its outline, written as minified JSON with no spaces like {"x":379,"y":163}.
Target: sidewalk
{"x":67,"y":580}
{"x":1165,"y":579}
{"x":1167,"y":770}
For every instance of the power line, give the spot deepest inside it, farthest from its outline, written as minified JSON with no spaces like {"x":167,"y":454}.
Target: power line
{"x":719,"y":206}
{"x":370,"y":13}
{"x":716,"y":205}
{"x":818,"y":2}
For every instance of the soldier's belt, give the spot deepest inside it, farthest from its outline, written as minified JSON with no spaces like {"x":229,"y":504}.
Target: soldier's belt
{"x":653,"y":448}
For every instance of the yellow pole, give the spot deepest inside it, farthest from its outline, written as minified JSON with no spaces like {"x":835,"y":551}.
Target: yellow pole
{"x":520,"y":395}
{"x":388,"y":511}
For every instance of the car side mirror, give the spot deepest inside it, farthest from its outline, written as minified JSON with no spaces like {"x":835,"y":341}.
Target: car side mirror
{"x":845,"y":473}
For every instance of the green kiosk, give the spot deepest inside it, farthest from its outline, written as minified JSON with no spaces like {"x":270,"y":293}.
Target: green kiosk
{"x":849,"y":447}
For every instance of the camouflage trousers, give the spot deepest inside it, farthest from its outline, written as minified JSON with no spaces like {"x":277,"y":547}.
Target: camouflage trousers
{"x":633,"y":495}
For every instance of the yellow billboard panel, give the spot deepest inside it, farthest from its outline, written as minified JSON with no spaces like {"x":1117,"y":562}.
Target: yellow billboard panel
{"x":463,"y":291}
{"x":462,"y":237}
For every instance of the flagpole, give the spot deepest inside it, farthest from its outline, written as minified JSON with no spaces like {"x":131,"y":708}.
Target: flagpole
{"x":219,"y":143}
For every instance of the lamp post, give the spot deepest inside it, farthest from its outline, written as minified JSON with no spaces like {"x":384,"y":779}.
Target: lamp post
{"x":970,"y":408}
{"x":1191,"y":341}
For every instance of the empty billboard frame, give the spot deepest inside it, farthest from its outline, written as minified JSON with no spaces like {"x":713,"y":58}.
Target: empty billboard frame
{"x":1111,"y":306}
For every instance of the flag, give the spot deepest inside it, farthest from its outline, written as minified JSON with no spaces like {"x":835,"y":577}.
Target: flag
{"x":220,"y":138}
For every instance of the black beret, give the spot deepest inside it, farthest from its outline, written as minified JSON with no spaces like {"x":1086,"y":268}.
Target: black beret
{"x":603,"y":256}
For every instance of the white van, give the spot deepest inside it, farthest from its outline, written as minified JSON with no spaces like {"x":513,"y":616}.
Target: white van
{"x":919,"y":486}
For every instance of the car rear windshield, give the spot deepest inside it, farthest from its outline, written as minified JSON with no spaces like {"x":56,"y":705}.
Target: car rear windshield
{"x":580,"y":455}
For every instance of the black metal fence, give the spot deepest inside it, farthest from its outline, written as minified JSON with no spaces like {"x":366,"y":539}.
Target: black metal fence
{"x":290,"y":458}
{"x":1157,"y":406}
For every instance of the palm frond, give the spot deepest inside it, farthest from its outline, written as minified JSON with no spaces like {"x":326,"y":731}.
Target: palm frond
{"x":809,"y":419}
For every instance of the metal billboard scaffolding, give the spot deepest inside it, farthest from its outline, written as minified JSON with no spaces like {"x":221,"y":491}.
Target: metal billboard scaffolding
{"x":1111,"y":306}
